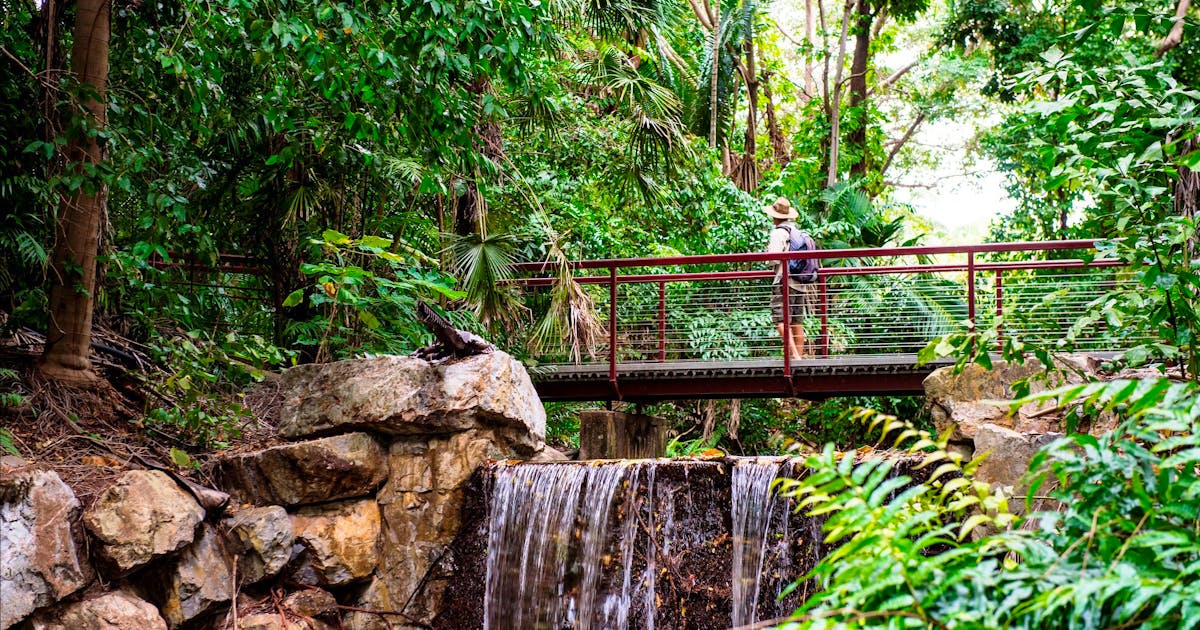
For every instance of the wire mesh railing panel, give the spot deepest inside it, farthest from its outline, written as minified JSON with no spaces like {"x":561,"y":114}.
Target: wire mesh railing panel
{"x":718,"y":309}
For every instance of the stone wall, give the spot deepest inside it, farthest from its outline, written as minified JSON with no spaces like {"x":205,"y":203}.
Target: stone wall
{"x":347,"y":525}
{"x":972,"y":406}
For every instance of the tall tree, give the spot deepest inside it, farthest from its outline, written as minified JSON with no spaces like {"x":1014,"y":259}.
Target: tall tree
{"x":81,"y":212}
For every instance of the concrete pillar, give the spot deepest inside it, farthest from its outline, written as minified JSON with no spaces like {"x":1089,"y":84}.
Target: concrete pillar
{"x":618,"y":435}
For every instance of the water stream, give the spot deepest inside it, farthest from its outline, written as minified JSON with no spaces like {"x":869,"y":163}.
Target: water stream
{"x":754,"y":504}
{"x":549,"y":541}
{"x":628,"y":544}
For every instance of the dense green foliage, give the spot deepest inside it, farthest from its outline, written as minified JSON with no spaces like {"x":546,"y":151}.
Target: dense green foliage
{"x":285,"y":180}
{"x":439,"y":142}
{"x":1118,"y":546}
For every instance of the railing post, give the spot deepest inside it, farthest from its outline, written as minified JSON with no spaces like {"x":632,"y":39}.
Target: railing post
{"x":612,"y":325}
{"x":824,"y":293}
{"x":662,"y":321}
{"x":787,"y":319}
{"x":971,"y":292}
{"x":999,"y":312}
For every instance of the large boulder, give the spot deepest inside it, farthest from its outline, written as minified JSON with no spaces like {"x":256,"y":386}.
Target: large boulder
{"x":375,"y":596}
{"x":966,"y":400}
{"x":340,"y":541}
{"x":1007,"y":464}
{"x":40,"y":561}
{"x":422,"y":504}
{"x":117,"y":610}
{"x":145,"y":515}
{"x":198,"y":581}
{"x":406,"y":396}
{"x":1008,"y":453}
{"x":262,"y":538}
{"x":316,"y":471}
{"x":275,"y":621}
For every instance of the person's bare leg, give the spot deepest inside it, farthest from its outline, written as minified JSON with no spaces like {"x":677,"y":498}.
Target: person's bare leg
{"x":796,"y":350}
{"x":798,"y":347}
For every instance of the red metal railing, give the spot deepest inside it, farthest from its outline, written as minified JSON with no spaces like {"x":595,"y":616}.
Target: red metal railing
{"x":869,"y":302}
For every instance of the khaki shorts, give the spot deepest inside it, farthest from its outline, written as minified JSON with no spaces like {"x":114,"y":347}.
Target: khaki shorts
{"x":803,"y":298}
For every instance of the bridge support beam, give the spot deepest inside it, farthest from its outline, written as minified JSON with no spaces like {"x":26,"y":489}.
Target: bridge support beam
{"x":619,"y":435}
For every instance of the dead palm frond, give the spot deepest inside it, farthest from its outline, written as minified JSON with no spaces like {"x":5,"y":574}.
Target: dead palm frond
{"x":570,"y":322}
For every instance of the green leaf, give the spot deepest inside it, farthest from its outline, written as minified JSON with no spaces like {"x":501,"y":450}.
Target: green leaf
{"x":180,"y":458}
{"x":368,"y":318}
{"x":335,"y":237}
{"x":375,"y":242}
{"x":294,"y":298}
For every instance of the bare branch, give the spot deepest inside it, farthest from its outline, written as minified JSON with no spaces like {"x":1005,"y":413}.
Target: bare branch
{"x":835,"y":114}
{"x":903,"y":185}
{"x":701,"y":14}
{"x":33,"y":75}
{"x":1175,"y":35}
{"x":880,"y":21}
{"x":908,"y":134}
{"x":895,"y":76}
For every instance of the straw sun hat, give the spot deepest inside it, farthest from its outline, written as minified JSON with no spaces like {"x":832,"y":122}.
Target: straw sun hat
{"x":781,"y":209}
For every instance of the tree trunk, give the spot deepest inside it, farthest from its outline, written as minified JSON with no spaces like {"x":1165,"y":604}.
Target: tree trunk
{"x":716,"y":71}
{"x":835,"y":113}
{"x":1187,"y":192}
{"x":747,"y":175}
{"x":810,"y":38}
{"x":77,"y":231}
{"x":858,"y":87}
{"x":470,"y":208}
{"x":779,"y":149}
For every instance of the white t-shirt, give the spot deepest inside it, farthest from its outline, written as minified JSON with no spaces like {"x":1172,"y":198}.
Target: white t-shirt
{"x":780,"y":241}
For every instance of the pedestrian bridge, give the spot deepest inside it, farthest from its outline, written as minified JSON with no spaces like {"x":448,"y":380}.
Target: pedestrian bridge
{"x":701,"y":327}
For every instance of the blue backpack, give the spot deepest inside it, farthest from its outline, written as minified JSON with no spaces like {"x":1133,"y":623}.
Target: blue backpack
{"x":805,"y":270}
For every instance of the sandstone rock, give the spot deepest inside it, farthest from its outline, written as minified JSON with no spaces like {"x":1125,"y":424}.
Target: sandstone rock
{"x":316,"y":471}
{"x":143,"y":516}
{"x":341,"y":540}
{"x":1009,"y":454}
{"x":375,"y":596}
{"x":549,"y":454}
{"x":408,"y":396}
{"x":112,"y":611}
{"x":198,"y":581}
{"x":962,"y":401}
{"x":312,"y":602}
{"x":422,"y":512}
{"x":263,"y":541}
{"x":272,"y":621}
{"x":39,"y":559}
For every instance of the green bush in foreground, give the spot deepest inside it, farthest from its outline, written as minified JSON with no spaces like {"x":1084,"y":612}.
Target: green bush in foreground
{"x":1122,"y":551}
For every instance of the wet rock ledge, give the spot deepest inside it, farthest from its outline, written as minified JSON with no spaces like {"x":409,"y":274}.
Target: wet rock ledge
{"x":346,"y":525}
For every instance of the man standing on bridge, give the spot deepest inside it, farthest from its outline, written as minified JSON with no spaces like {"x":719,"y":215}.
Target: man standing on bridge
{"x":800,"y":295}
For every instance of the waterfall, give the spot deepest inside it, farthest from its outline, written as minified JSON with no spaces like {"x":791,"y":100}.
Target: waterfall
{"x":550,"y":531}
{"x":620,"y":545}
{"x":754,"y":504}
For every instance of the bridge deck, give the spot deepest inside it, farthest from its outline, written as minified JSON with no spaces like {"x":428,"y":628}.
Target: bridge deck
{"x":702,"y":326}
{"x":844,"y":375}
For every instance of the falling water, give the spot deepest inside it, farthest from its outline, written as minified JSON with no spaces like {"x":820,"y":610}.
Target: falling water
{"x":754,"y":503}
{"x":549,"y":531}
{"x":622,"y":545}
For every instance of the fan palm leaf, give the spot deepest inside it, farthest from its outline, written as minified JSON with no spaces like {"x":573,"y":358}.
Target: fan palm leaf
{"x":484,"y":264}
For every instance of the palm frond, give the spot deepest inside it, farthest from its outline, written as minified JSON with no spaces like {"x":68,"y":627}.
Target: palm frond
{"x":404,"y":169}
{"x":570,"y":321}
{"x":484,"y":263}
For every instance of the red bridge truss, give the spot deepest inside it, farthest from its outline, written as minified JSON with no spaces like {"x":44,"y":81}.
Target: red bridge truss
{"x":700,"y":326}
